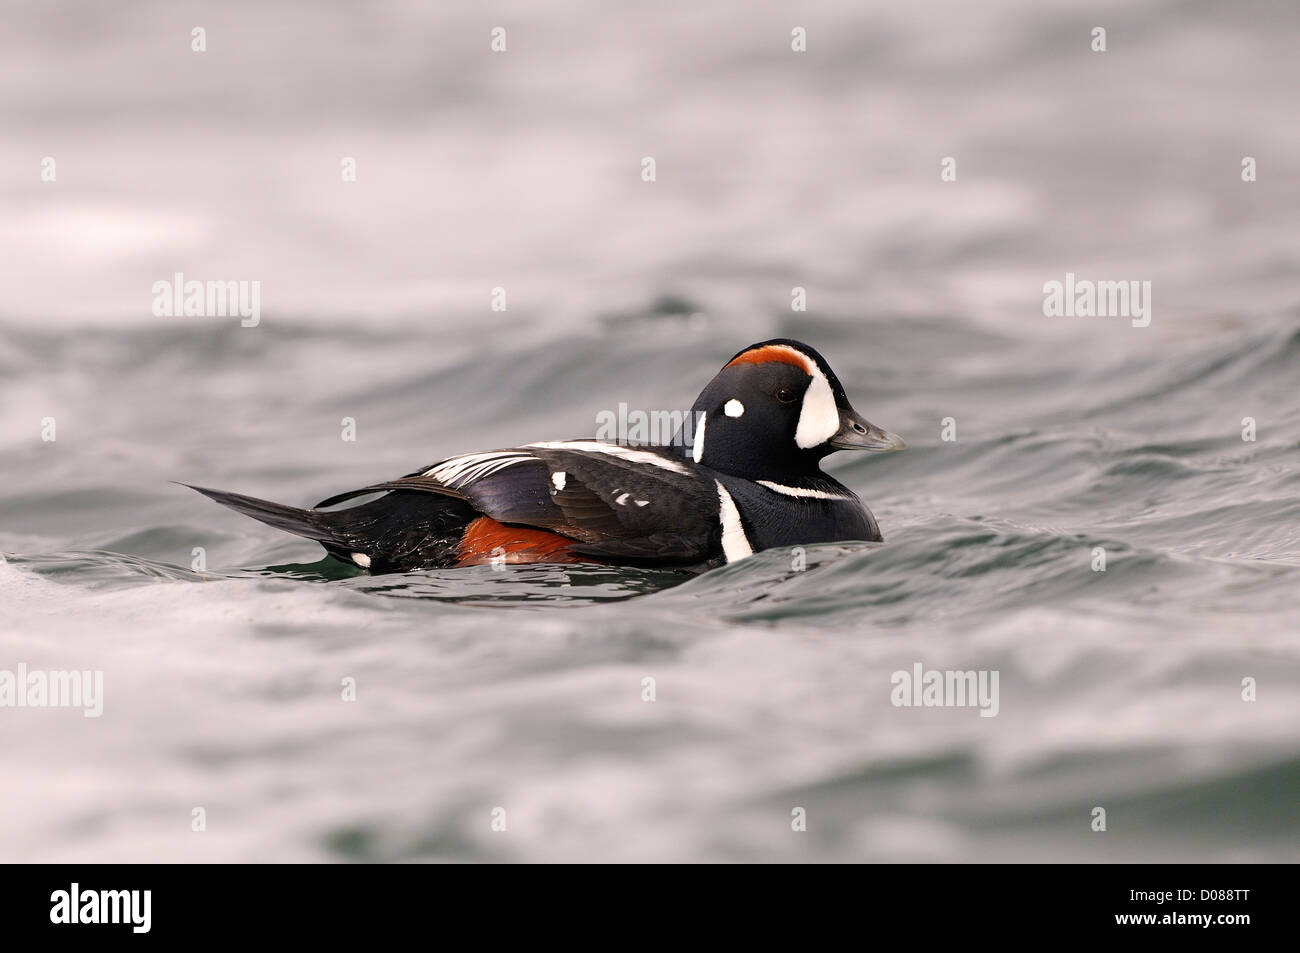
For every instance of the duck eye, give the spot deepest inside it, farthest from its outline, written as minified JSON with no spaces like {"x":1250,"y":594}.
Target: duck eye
{"x":785,"y":395}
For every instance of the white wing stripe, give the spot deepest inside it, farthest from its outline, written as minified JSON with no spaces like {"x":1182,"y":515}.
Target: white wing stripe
{"x":461,"y":471}
{"x":613,"y":450}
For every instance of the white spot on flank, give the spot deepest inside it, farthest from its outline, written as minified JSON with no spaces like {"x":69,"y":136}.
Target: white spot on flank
{"x":802,"y":491}
{"x":361,"y":559}
{"x":734,"y":408}
{"x":558,"y":479}
{"x":697,"y":448}
{"x":735,"y":544}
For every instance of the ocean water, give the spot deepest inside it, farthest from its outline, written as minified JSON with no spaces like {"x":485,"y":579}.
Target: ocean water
{"x":520,"y":691}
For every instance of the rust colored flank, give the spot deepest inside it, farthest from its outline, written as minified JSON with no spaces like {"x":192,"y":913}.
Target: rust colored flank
{"x":485,"y":537}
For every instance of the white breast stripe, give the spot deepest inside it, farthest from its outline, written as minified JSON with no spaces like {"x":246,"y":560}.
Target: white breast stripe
{"x":735,"y":544}
{"x":458,"y":472}
{"x":819,"y":418}
{"x":614,"y":450}
{"x":800,"y":491}
{"x":697,"y":449}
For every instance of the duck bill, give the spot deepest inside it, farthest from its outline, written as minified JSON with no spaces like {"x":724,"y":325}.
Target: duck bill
{"x":858,"y":434}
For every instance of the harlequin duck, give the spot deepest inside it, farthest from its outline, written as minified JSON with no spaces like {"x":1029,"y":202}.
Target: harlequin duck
{"x":749,"y":479}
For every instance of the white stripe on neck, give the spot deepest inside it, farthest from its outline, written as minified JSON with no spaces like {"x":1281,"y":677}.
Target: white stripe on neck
{"x":735,"y":544}
{"x":801,"y":491}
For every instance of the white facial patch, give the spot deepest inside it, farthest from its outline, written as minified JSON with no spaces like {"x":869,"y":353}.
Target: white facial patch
{"x":697,"y":448}
{"x":558,"y":479}
{"x":735,"y":544}
{"x":733,"y":408}
{"x":819,"y":418}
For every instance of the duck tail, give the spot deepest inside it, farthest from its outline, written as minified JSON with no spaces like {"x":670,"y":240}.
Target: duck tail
{"x":324,"y":528}
{"x":402,"y":529}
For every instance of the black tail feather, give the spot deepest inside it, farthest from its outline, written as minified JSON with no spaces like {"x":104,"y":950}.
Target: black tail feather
{"x":403,"y":529}
{"x":306,"y":523}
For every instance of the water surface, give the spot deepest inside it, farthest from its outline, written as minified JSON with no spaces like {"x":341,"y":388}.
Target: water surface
{"x":523,"y":689}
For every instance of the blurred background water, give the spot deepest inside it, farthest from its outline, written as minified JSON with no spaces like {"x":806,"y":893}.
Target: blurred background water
{"x":775,"y":169}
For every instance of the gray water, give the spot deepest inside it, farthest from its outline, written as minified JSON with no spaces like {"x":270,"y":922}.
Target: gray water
{"x":523,"y":689}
